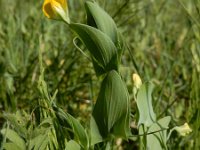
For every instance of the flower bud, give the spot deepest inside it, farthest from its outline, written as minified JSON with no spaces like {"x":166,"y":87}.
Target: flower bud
{"x":137,"y":82}
{"x":56,"y":9}
{"x":183,"y":130}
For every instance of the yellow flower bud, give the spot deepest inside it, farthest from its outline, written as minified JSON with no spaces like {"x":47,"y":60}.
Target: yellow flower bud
{"x":137,"y":82}
{"x":183,"y":130}
{"x":56,"y":9}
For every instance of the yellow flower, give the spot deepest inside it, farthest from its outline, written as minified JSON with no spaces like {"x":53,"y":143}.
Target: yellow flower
{"x":56,"y":9}
{"x":137,"y":80}
{"x":183,"y":130}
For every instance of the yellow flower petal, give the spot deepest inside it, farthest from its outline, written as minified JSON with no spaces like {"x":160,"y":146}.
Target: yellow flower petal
{"x":63,"y":3}
{"x":56,"y":9}
{"x":183,"y":130}
{"x":136,"y":80}
{"x":48,"y":10}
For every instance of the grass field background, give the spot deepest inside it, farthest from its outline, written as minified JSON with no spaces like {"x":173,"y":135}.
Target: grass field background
{"x":164,"y":47}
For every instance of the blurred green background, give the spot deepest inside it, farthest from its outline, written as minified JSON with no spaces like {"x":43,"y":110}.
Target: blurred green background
{"x":164,"y":47}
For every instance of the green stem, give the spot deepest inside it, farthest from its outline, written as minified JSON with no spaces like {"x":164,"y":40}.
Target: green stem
{"x":144,"y":137}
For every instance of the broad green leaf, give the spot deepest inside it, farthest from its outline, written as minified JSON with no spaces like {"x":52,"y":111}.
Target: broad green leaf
{"x":72,"y":145}
{"x":98,"y":68}
{"x":79,"y":131}
{"x":112,"y":110}
{"x":39,"y":142}
{"x":39,"y":131}
{"x":47,"y":122}
{"x":44,"y":144}
{"x":121,"y":127}
{"x":144,"y":104}
{"x":70,"y":122}
{"x":42,"y":135}
{"x":18,"y":121}
{"x":98,"y":18}
{"x":158,"y":140}
{"x":101,"y":47}
{"x":108,"y":146}
{"x":95,"y":136}
{"x":11,"y":146}
{"x":14,"y":137}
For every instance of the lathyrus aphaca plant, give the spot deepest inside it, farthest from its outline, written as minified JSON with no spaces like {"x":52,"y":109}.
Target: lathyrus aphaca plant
{"x":111,"y":112}
{"x":110,"y":117}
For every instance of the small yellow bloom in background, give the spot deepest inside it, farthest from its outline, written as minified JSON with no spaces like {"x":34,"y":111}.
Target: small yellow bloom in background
{"x":137,"y":82}
{"x":48,"y":62}
{"x":56,"y":9}
{"x":183,"y":130}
